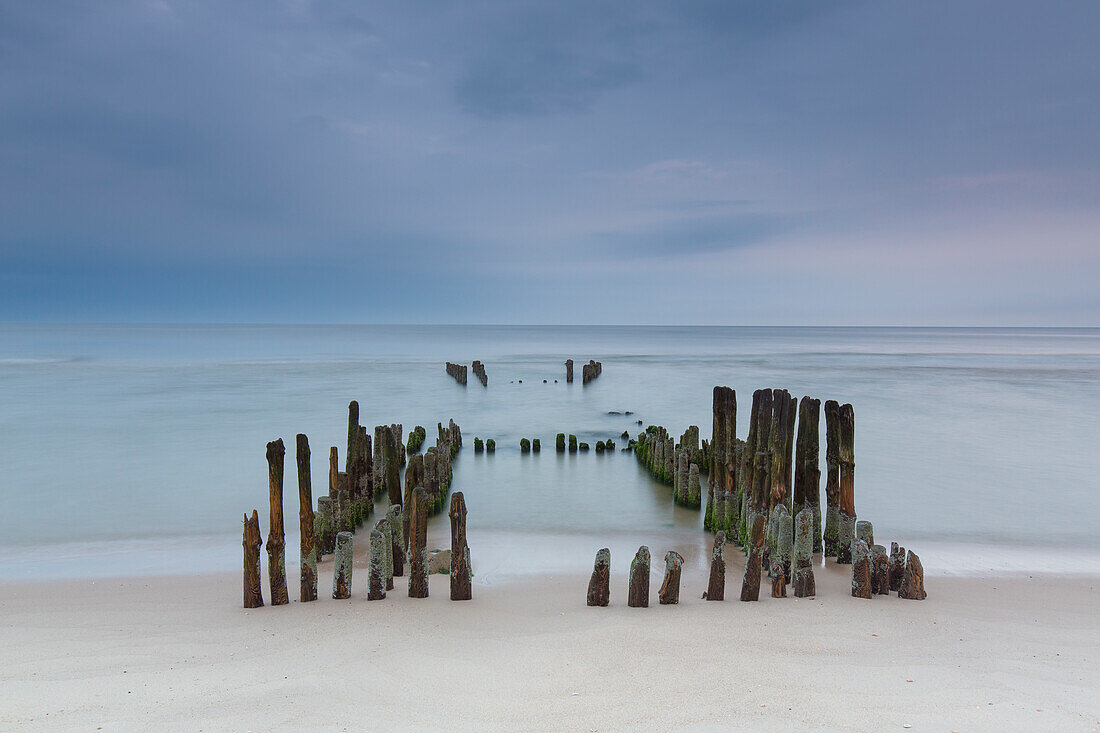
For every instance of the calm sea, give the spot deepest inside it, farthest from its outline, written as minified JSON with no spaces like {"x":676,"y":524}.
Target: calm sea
{"x":136,"y":449}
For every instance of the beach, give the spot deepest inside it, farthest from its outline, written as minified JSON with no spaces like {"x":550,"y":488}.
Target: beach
{"x":178,"y":653}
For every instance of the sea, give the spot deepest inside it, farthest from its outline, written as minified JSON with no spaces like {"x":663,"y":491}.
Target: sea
{"x":136,"y":449}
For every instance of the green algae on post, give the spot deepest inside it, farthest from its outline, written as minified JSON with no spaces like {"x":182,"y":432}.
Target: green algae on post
{"x":341,"y":566}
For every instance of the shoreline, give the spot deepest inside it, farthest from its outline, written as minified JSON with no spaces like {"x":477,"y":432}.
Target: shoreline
{"x":982,"y":653}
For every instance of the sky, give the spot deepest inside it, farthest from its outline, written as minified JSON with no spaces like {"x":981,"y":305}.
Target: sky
{"x":932,"y":163}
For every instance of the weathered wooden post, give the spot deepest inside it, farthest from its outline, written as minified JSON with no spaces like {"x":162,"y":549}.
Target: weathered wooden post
{"x":880,"y":571}
{"x":807,"y":474}
{"x":340,"y":511}
{"x":460,"y":551}
{"x":276,"y":540}
{"x":638,"y":593}
{"x":341,"y":566}
{"x":832,"y":478}
{"x":750,"y":587}
{"x":327,"y":527}
{"x":912,"y":581}
{"x":861,"y":570}
{"x":397,"y":541}
{"x":376,"y":588}
{"x":392,"y":459}
{"x":253,"y":593}
{"x":694,"y":487}
{"x":716,"y":588}
{"x":308,"y":589}
{"x":784,"y":541}
{"x":418,"y":538}
{"x":803,"y":572}
{"x":897,"y":565}
{"x":569,"y":377}
{"x":847,"y":509}
{"x":383,"y":526}
{"x":669,"y":592}
{"x":599,"y":587}
{"x":779,"y":582}
{"x":559,"y":443}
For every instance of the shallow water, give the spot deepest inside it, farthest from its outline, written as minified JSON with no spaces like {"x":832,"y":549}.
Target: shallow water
{"x":138,"y":448}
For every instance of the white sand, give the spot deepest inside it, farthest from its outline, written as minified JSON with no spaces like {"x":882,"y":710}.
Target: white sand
{"x":180,"y":654}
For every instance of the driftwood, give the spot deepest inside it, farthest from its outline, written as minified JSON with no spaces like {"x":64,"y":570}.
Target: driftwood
{"x":418,"y":537}
{"x":308,"y":586}
{"x":638,"y":593}
{"x":716,"y":588}
{"x":460,"y":551}
{"x":253,"y":593}
{"x":669,"y":592}
{"x":599,"y":587}
{"x":276,"y":540}
{"x":341,"y":566}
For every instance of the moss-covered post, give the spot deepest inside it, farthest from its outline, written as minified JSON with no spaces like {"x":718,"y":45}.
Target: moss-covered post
{"x":559,"y":443}
{"x":831,"y":535}
{"x":397,"y":541}
{"x":308,"y":586}
{"x":912,"y":580}
{"x":638,"y":593}
{"x":353,"y":464}
{"x":861,"y":570}
{"x":253,"y":592}
{"x":536,"y":445}
{"x":418,"y":537}
{"x":750,"y":586}
{"x":572,"y":443}
{"x":460,"y":551}
{"x":383,"y":526}
{"x":599,"y":586}
{"x":276,"y":540}
{"x":376,"y":586}
{"x":392,"y":472}
{"x":669,"y":592}
{"x":694,"y":487}
{"x":880,"y":571}
{"x":784,"y":541}
{"x":803,"y":574}
{"x":897,"y":565}
{"x":341,"y":566}
{"x":807,"y":474}
{"x":340,"y":511}
{"x":325,"y":524}
{"x":847,"y":508}
{"x":716,"y":587}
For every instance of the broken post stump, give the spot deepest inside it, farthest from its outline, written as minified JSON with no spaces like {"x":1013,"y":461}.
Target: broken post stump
{"x":341,"y":566}
{"x":308,"y":582}
{"x":716,"y":588}
{"x":418,"y":537}
{"x":638,"y":592}
{"x":253,"y":592}
{"x":569,"y":371}
{"x":897,"y":565}
{"x":669,"y":593}
{"x":912,"y":582}
{"x":599,"y":587}
{"x":460,"y":551}
{"x":880,"y":571}
{"x":779,"y":581}
{"x":276,"y":540}
{"x":861,"y":570}
{"x":376,"y":589}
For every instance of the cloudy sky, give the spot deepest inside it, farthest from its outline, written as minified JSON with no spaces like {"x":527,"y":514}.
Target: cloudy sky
{"x":550,"y":162}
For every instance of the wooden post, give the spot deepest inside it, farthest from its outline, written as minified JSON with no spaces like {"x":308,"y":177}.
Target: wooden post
{"x":339,"y":511}
{"x":880,"y":571}
{"x":779,"y":582}
{"x":784,"y":541}
{"x":393,"y":469}
{"x":669,"y":592}
{"x":397,"y":532}
{"x":383,"y":526}
{"x":807,"y":474}
{"x":912,"y":581}
{"x":861,"y":570}
{"x":716,"y":588}
{"x":847,"y":503}
{"x":897,"y":565}
{"x":418,"y":537}
{"x":308,"y":589}
{"x":341,"y":566}
{"x":276,"y":540}
{"x":831,"y":534}
{"x":599,"y":587}
{"x":803,"y":573}
{"x":460,"y":551}
{"x":253,"y":593}
{"x":376,"y":587}
{"x":569,"y":371}
{"x":638,"y":593}
{"x":750,"y":586}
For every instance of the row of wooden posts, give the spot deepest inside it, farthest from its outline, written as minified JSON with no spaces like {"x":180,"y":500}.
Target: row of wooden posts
{"x":589,"y":371}
{"x":349,"y":502}
{"x":459,"y":372}
{"x":676,"y":464}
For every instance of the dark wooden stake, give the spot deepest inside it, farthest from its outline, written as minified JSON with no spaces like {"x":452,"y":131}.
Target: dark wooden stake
{"x":897,"y":566}
{"x":308,"y":589}
{"x":276,"y":540}
{"x":253,"y":593}
{"x":599,"y":587}
{"x":418,"y":538}
{"x":669,"y":593}
{"x":460,"y":551}
{"x":807,"y":474}
{"x":376,"y":588}
{"x":832,"y":478}
{"x":397,"y":530}
{"x":861,"y":570}
{"x":912,"y":582}
{"x":341,"y":566}
{"x":847,"y":503}
{"x":750,"y":586}
{"x":716,"y":588}
{"x":638,"y":593}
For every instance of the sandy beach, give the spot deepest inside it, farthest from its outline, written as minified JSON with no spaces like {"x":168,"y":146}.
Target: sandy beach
{"x":178,"y":653}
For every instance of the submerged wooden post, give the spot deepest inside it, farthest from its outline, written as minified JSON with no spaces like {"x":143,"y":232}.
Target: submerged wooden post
{"x":599,"y":587}
{"x":376,"y":587}
{"x":716,"y":588}
{"x":638,"y":593}
{"x":308,"y":588}
{"x":341,"y":566}
{"x":669,"y":592}
{"x":418,"y":537}
{"x":460,"y":551}
{"x":831,"y":534}
{"x":803,"y":573}
{"x":750,"y":586}
{"x":807,"y":474}
{"x":397,"y":531}
{"x":569,"y":371}
{"x":253,"y":592}
{"x":276,"y":539}
{"x":912,"y":581}
{"x":847,"y":504}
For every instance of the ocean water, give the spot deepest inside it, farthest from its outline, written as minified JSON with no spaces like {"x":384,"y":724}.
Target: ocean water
{"x":136,"y":449}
